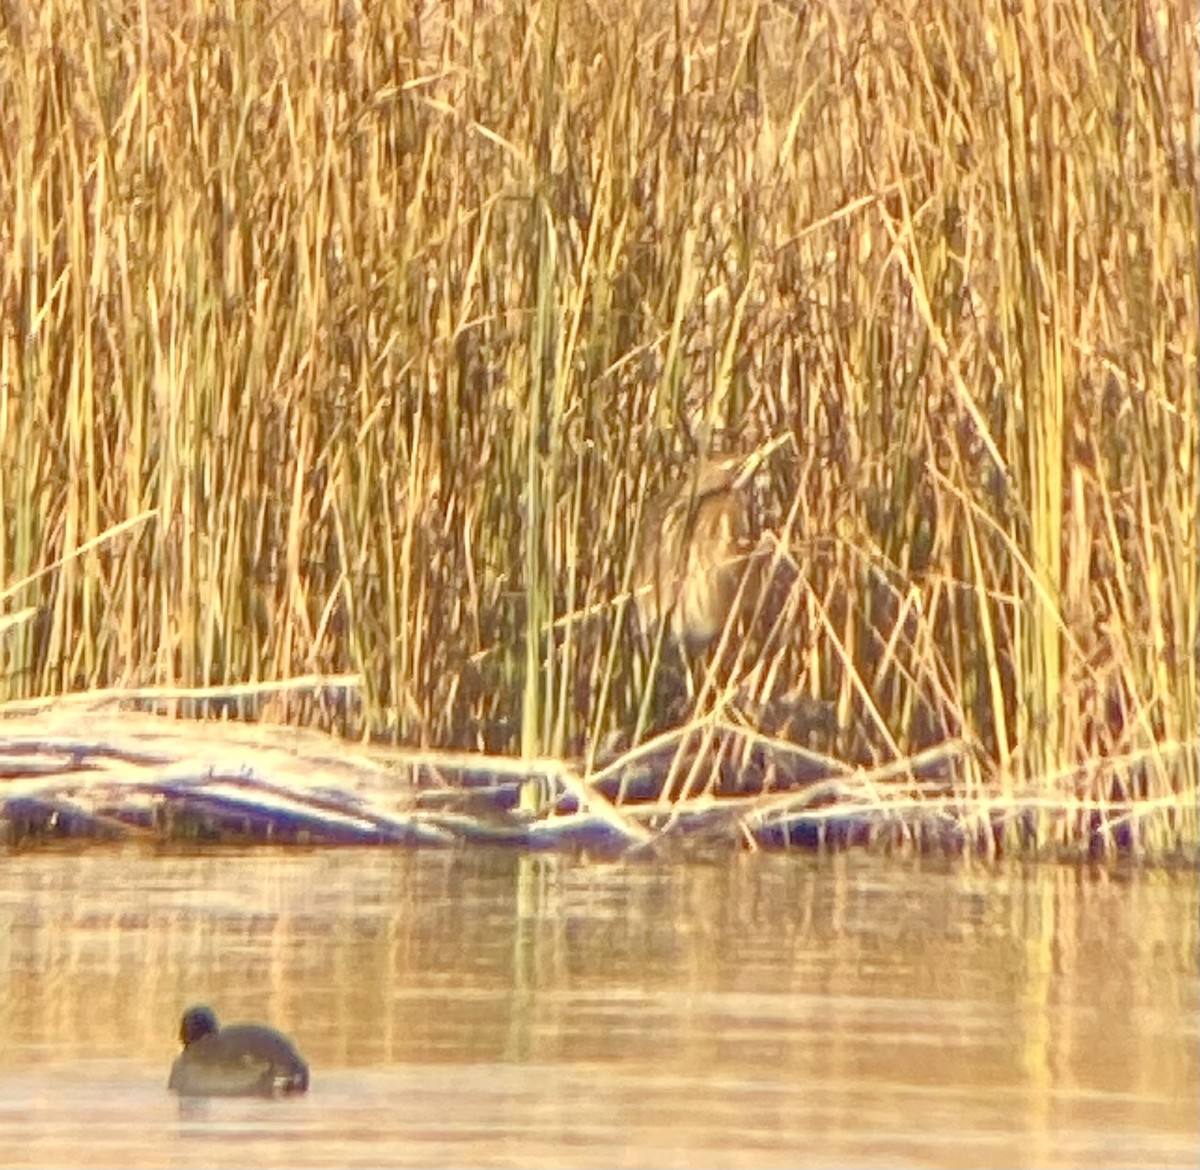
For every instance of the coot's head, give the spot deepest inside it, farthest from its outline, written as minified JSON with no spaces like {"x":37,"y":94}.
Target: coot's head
{"x":197,"y":1022}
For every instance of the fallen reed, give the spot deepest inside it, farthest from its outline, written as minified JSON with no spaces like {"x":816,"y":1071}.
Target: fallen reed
{"x":391,"y":317}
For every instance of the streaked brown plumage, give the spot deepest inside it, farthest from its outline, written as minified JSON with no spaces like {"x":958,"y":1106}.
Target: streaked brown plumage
{"x":692,"y":550}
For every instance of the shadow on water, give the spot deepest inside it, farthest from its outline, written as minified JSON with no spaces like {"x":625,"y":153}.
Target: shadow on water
{"x":495,"y":1009}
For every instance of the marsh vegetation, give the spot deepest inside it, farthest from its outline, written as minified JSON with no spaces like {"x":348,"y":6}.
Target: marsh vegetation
{"x":361,"y":339}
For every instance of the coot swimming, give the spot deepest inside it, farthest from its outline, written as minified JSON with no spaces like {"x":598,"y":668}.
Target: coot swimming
{"x":242,"y":1060}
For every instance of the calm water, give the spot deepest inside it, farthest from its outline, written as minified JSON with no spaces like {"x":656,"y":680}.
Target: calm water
{"x":491,"y":1010}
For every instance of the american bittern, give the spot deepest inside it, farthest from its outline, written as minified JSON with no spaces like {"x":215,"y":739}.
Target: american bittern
{"x":692,"y":550}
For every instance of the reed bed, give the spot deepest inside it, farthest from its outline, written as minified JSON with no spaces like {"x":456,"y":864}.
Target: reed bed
{"x":345,"y":339}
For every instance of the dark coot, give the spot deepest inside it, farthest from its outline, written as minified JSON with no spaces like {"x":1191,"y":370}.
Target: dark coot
{"x":242,"y":1060}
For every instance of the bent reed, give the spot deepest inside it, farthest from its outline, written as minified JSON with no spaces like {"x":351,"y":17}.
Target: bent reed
{"x":372,"y":330}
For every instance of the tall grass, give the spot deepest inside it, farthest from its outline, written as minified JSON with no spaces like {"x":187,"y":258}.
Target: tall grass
{"x":394,"y":314}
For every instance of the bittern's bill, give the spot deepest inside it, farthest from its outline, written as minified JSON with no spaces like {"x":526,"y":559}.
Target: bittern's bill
{"x":692,"y":551}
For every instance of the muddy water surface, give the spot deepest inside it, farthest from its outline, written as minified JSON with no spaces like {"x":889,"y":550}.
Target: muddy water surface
{"x":489,"y":1010}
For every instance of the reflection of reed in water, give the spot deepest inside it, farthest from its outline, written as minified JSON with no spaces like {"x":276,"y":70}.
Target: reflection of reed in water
{"x":691,"y":554}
